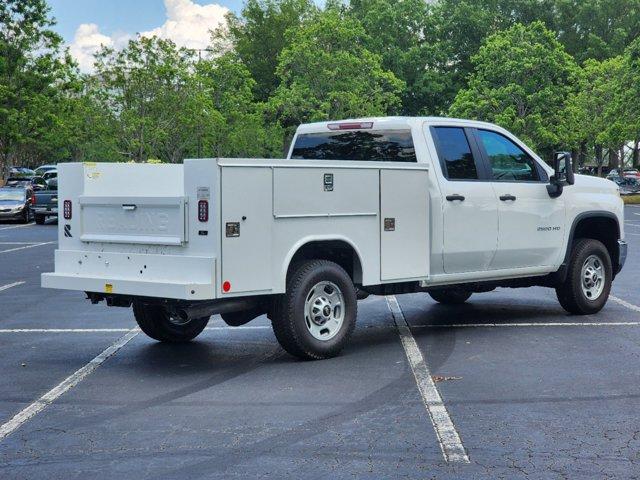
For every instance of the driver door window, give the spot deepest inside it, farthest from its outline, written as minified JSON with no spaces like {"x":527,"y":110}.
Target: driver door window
{"x":509,"y":163}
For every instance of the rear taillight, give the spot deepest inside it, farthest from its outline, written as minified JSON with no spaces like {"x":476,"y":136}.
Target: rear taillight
{"x":33,"y":199}
{"x":67,"y":210}
{"x":203,"y":211}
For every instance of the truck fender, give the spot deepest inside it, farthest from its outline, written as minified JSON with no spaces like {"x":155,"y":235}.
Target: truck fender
{"x":282,"y":280}
{"x":562,"y":271}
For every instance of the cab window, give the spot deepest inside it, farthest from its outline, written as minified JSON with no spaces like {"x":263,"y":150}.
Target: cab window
{"x":366,"y":146}
{"x":508,"y":161}
{"x":454,"y":150}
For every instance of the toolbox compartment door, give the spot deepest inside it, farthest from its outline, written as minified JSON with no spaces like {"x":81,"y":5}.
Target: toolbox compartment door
{"x":404,"y":225}
{"x":133,"y":220}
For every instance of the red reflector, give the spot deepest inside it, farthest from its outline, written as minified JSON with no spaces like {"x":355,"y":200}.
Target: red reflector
{"x":33,"y":199}
{"x":226,"y":286}
{"x":67,"y":210}
{"x":351,"y":126}
{"x":203,"y":211}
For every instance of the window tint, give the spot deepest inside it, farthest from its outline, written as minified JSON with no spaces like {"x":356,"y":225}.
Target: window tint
{"x":508,"y":161}
{"x":374,"y":145}
{"x":455,"y":154}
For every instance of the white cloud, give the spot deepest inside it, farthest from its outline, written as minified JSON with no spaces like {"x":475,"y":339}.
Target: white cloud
{"x":86,"y":43}
{"x":188,"y":25}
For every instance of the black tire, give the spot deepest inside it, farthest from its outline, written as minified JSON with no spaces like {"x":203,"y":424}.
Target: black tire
{"x":571,"y":294}
{"x":450,"y":296}
{"x":40,"y":219}
{"x":289,"y":317}
{"x":26,"y":216}
{"x":155,"y":321}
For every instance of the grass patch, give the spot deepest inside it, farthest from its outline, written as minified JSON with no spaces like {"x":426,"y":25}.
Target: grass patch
{"x":631,"y":199}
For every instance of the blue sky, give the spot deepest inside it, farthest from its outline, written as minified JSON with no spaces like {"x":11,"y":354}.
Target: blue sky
{"x":87,"y":25}
{"x":116,"y":15}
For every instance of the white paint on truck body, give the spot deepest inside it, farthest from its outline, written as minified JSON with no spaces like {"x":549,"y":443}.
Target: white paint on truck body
{"x":135,"y":228}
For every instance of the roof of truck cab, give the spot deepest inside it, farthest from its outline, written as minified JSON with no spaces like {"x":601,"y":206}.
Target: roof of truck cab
{"x":392,"y":122}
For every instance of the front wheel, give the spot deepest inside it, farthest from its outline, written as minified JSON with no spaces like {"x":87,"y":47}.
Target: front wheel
{"x":158,"y":323}
{"x":316,"y":317}
{"x":586,"y":289}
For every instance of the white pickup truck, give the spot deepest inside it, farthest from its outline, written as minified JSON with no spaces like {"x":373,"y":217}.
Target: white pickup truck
{"x":371,"y":206}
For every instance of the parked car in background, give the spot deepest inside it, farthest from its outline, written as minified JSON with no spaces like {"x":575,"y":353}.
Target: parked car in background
{"x":34,"y":183}
{"x":631,"y":173}
{"x":21,"y":172}
{"x":40,"y":171}
{"x":15,"y":203}
{"x":45,"y":203}
{"x":627,"y":185}
{"x":50,"y":174}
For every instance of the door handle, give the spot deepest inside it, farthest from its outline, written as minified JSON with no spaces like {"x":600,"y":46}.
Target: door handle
{"x":456,"y":197}
{"x":508,"y":198}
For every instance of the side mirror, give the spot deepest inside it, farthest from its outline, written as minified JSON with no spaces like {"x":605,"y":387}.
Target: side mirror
{"x":563,"y":174}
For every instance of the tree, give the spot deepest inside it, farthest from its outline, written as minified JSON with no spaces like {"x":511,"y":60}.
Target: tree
{"x":396,"y":30}
{"x":594,"y":117}
{"x":159,"y":108}
{"x":33,"y":76}
{"x":596,"y":29}
{"x":457,"y":29}
{"x":327,"y":73}
{"x":244,"y":132}
{"x":258,"y":37}
{"x":521,"y":80}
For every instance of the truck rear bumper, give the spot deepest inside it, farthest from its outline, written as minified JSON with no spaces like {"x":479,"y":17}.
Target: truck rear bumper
{"x":144,"y":275}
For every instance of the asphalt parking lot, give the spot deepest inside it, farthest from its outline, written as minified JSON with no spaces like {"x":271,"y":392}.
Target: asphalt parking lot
{"x":529,"y":390}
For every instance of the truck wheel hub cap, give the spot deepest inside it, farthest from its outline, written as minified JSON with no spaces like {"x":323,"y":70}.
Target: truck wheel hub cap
{"x":324,"y":310}
{"x":593,"y":277}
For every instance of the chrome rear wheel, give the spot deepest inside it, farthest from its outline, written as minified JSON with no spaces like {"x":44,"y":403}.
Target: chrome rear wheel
{"x":324,"y":310}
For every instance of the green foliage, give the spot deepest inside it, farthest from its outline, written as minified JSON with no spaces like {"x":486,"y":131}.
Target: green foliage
{"x":596,"y":29}
{"x":258,"y":36}
{"x":243,"y":132}
{"x":33,"y":78}
{"x":559,"y":73}
{"x":521,"y":80}
{"x":593,"y":113}
{"x":396,"y":31}
{"x":328,"y":73}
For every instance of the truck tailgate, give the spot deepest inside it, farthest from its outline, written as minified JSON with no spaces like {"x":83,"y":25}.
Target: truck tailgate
{"x":134,"y":229}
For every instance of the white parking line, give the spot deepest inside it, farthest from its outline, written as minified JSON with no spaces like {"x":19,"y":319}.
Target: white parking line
{"x":18,"y":226}
{"x":18,"y":243}
{"x":52,"y":395}
{"x":541,"y":324}
{"x":448,"y":437}
{"x":630,"y":306}
{"x":23,"y":248}
{"x":11,"y":285}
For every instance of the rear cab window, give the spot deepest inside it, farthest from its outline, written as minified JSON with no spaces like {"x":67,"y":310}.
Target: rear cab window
{"x":456,"y":155}
{"x":356,"y":145}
